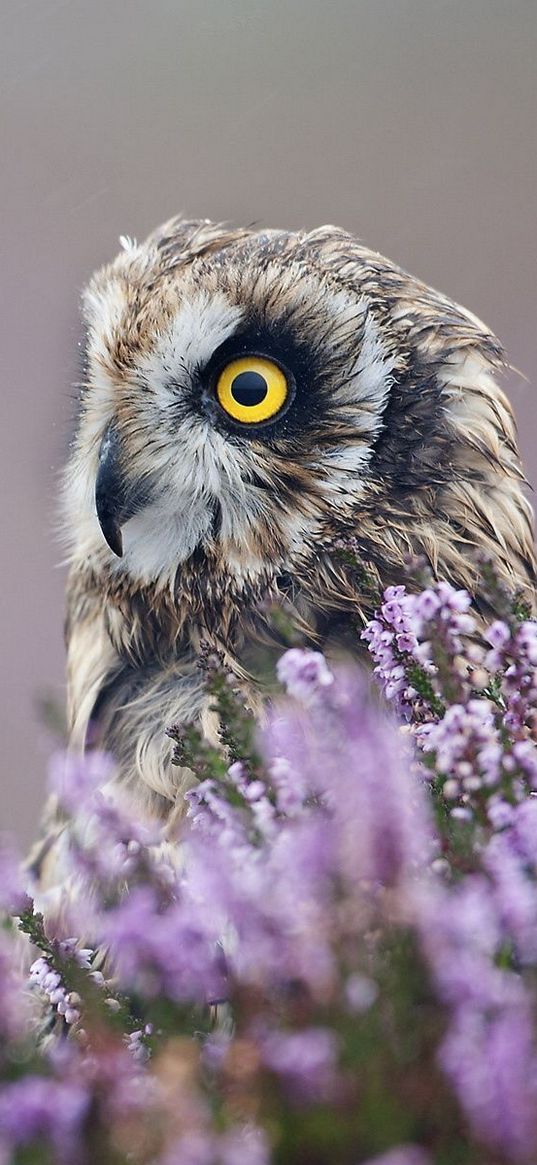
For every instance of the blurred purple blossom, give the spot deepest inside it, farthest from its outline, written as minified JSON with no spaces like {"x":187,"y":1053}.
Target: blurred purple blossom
{"x":171,"y":951}
{"x":74,"y":778}
{"x":491,"y":1060}
{"x":304,"y":673}
{"x":305,"y":1060}
{"x":42,"y":1110}
{"x":243,"y":1146}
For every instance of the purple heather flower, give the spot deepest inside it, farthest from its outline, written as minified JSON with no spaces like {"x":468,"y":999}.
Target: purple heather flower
{"x":74,"y":778}
{"x":498,"y":634}
{"x":305,"y":1060}
{"x":409,"y":630}
{"x":426,"y":605}
{"x":515,"y":895}
{"x":289,"y":785}
{"x":39,"y":1109}
{"x":273,"y":901}
{"x":461,"y":932}
{"x":448,"y":608}
{"x":467,"y":747}
{"x":49,"y":981}
{"x":228,"y":824}
{"x":215,"y":1049}
{"x":463,"y":929}
{"x":304,"y":673}
{"x":134,"y":1042}
{"x":523,"y":834}
{"x":515,"y":653}
{"x":172,"y":952}
{"x":210,"y":811}
{"x":492,"y":1064}
{"x":457,"y":601}
{"x":394,"y":592}
{"x":525,"y":754}
{"x":283,"y":886}
{"x":354,"y":758}
{"x":393,"y":643}
{"x":499,"y":812}
{"x":526,"y":639}
{"x":107,"y":845}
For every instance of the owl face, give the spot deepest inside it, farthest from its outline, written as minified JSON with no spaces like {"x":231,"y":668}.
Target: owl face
{"x":247,"y":390}
{"x":231,"y":405}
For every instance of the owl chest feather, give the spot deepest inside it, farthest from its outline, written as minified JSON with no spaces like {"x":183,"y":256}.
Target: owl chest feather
{"x":157,"y":628}
{"x":134,"y":652}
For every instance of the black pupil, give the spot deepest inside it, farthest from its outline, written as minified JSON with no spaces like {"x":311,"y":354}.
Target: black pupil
{"x":249,"y":388}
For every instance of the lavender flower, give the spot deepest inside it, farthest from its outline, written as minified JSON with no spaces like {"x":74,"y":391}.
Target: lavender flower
{"x":38,"y":1110}
{"x":514,"y":891}
{"x":393,"y":644}
{"x":289,"y":786}
{"x":358,"y":765}
{"x":172,"y":951}
{"x":493,"y":1066}
{"x":43,"y":976}
{"x":136,"y":1043}
{"x":74,"y":779}
{"x":305,"y":1061}
{"x":467,"y":746}
{"x":514,"y":652}
{"x":304,"y":673}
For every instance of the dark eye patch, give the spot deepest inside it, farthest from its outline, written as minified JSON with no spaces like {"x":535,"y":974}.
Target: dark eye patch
{"x":302,"y":365}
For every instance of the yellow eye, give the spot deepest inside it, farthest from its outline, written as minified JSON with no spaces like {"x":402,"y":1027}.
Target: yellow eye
{"x":252,"y":389}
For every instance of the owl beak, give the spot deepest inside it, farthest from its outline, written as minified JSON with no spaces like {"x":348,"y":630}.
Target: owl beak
{"x":110,"y":493}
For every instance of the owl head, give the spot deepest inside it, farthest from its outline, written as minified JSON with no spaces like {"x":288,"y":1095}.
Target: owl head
{"x":248,"y":395}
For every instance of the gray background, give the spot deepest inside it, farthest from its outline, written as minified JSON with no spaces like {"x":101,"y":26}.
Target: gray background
{"x":410,"y":122}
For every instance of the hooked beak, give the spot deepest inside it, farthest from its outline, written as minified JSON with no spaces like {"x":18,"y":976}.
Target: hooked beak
{"x":110,"y":491}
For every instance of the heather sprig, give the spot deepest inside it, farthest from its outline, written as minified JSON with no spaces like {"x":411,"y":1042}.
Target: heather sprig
{"x":473,"y":716}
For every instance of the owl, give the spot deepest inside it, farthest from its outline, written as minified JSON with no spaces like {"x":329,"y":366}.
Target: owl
{"x":251,"y":399}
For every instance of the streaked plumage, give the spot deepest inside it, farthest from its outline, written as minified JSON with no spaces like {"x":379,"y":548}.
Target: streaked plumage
{"x":398,"y":434}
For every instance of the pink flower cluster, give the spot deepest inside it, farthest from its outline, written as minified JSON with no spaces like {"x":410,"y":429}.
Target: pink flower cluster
{"x":474,"y":718}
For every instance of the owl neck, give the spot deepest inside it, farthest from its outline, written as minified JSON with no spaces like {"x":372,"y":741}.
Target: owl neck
{"x":155,"y":622}
{"x":152,"y":623}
